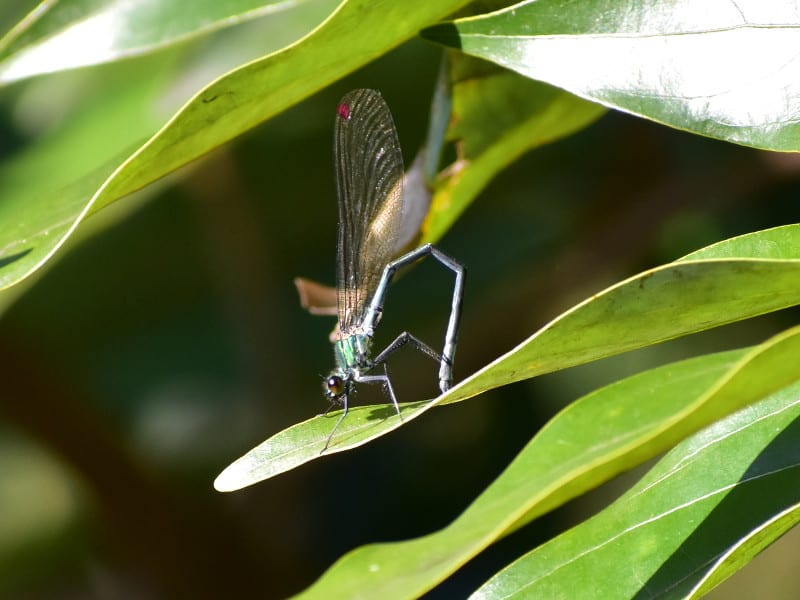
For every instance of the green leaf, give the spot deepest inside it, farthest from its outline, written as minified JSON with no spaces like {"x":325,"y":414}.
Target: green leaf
{"x":45,"y":209}
{"x":305,"y":441}
{"x":778,"y":243}
{"x":736,"y":279}
{"x":77,"y":33}
{"x":664,"y":535}
{"x":746,"y":549}
{"x":356,"y":33}
{"x":48,"y":186}
{"x":727,"y":70}
{"x":496,"y":117}
{"x":657,"y":305}
{"x":595,"y":438}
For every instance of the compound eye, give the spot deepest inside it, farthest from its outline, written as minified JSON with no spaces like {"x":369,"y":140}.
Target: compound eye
{"x":334,"y":386}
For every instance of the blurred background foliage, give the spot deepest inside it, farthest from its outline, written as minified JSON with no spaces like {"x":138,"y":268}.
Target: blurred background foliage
{"x":167,"y":338}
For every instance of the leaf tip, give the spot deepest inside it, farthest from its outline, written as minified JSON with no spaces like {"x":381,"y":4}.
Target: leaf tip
{"x":232,"y":478}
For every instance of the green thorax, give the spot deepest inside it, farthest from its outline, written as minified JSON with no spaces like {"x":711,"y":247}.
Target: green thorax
{"x":352,"y":352}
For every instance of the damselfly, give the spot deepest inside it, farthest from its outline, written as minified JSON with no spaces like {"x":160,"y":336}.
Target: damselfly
{"x":369,"y":178}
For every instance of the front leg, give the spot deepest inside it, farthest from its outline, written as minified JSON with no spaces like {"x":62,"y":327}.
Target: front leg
{"x":343,"y":401}
{"x":386,"y":381}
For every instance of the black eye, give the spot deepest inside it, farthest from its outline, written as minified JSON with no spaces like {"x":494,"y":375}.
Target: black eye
{"x":335,"y":386}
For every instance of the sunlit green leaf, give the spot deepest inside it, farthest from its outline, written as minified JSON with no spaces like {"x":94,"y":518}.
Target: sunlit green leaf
{"x":598,"y":436}
{"x":746,"y":549}
{"x":306,"y":441}
{"x":45,"y":210}
{"x":728,"y":70}
{"x":736,"y":279}
{"x":662,"y":537}
{"x":76,"y":33}
{"x":661,"y":304}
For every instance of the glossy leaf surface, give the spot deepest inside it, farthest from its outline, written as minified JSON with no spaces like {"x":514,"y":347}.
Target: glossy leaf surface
{"x":727,"y":70}
{"x":673,"y":300}
{"x":45,"y":210}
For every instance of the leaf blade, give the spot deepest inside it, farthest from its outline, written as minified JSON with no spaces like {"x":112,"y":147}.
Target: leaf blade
{"x":580,"y":335}
{"x":227,"y":107}
{"x":704,"y":496}
{"x":69,"y":34}
{"x":641,"y":416}
{"x":710,"y":69}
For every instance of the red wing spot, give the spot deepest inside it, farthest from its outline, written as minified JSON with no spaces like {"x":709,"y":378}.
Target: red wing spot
{"x":343,"y":110}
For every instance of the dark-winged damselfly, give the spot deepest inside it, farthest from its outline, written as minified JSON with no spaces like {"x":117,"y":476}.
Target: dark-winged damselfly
{"x":369,"y":178}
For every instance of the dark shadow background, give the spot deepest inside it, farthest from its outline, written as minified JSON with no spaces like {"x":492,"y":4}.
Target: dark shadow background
{"x":170,"y":341}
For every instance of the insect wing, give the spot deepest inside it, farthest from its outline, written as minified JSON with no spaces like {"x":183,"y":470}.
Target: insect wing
{"x":369,"y":179}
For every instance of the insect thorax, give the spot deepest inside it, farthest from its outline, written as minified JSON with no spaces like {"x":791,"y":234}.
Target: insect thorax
{"x":352,"y":352}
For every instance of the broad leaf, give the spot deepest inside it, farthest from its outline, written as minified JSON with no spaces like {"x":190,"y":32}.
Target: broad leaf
{"x":727,"y":70}
{"x":733,"y":280}
{"x":746,"y":549}
{"x":77,"y":33}
{"x":45,"y":208}
{"x":598,"y":436}
{"x":660,"y":304}
{"x":665,"y":534}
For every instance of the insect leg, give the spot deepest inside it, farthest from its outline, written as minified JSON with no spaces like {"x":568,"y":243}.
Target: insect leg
{"x":400,"y":341}
{"x":376,"y":306}
{"x":345,"y":398}
{"x":387,"y":382}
